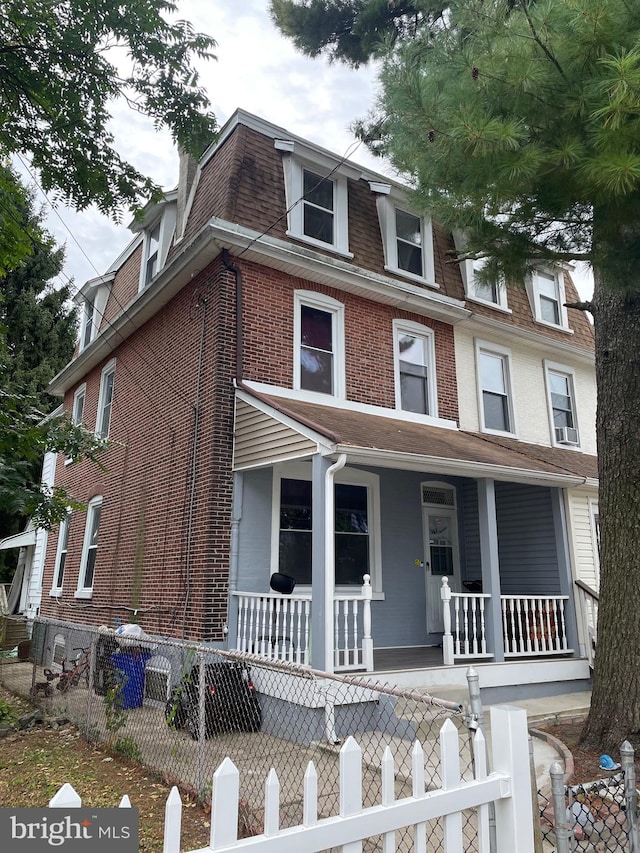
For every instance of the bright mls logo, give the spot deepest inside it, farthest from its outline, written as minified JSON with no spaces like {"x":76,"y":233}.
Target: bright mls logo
{"x":69,"y":830}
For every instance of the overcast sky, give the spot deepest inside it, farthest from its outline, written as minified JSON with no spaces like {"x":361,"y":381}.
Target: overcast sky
{"x":258,"y":70}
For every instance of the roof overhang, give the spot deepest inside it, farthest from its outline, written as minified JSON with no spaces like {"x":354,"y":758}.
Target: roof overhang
{"x":328,"y":441}
{"x":18,"y":540}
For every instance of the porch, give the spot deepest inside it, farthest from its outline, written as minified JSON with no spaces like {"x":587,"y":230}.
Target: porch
{"x":278,"y":627}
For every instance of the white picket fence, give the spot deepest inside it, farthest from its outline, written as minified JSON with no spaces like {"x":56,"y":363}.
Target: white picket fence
{"x":508,"y":787}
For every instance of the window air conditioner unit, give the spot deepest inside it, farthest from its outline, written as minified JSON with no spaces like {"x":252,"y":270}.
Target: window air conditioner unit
{"x":566,"y":435}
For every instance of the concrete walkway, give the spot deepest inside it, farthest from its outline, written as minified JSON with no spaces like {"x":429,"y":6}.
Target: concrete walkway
{"x":551,"y":710}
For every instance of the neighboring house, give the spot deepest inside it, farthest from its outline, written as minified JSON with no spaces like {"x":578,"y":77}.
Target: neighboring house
{"x":25,"y":592}
{"x":296,"y":377}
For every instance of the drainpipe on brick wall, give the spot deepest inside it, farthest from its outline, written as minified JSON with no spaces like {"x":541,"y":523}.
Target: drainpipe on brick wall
{"x":330,"y":559}
{"x":194,"y":468}
{"x":228,"y":265}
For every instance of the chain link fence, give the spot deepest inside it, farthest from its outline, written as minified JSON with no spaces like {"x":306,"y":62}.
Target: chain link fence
{"x":181,"y":708}
{"x":592,"y":817}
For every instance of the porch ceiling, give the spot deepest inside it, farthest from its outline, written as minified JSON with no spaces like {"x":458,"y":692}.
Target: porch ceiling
{"x":392,"y":443}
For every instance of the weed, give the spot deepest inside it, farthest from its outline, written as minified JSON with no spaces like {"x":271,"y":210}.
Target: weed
{"x":128,"y":747}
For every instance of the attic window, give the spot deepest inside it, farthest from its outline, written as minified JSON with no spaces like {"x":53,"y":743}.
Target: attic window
{"x":153,"y":247}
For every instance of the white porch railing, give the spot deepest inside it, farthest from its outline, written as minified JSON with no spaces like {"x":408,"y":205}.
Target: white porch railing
{"x":588,"y":606}
{"x":532,"y":625}
{"x":278,"y":627}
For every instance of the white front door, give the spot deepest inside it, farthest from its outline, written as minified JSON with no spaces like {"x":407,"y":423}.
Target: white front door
{"x":441,"y":559}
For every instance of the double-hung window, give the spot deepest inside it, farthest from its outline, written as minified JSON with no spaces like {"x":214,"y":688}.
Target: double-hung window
{"x":105,"y":400}
{"x":152,"y":253}
{"x":414,"y":368}
{"x":316,"y":190}
{"x":355,"y":528}
{"x":88,"y":318}
{"x":79,"y":398}
{"x":548,"y":297}
{"x":494,"y":383}
{"x":562,"y":406}
{"x":407,"y":239}
{"x":319,"y":344}
{"x":89,"y":548}
{"x":61,"y":555}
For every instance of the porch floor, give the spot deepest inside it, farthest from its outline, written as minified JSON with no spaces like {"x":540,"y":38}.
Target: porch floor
{"x":415,"y":657}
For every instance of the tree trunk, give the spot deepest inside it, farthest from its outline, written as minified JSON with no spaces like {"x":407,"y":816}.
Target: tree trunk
{"x":615,"y":703}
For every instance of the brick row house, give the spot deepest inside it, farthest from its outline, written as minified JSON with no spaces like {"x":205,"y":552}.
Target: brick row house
{"x":297,"y":379}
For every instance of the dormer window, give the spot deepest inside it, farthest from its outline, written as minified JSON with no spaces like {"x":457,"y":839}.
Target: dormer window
{"x":158,"y":231}
{"x":407,"y":239}
{"x":479,"y":288}
{"x":88,"y":329}
{"x":153,"y":246}
{"x":547,"y":297}
{"x":316,"y":197}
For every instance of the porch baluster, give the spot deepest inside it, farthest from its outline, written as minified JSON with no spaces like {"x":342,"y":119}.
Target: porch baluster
{"x":549,"y":632}
{"x":521,"y":633}
{"x":474,"y":626}
{"x":530,"y":627}
{"x":263,"y":627}
{"x":562,"y":635}
{"x":307,"y":633}
{"x":483,"y":636}
{"x":456,"y":633}
{"x":465,"y":611}
{"x":356,"y":651}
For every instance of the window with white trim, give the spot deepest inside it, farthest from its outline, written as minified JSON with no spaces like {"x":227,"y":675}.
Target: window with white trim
{"x":594,"y":518}
{"x":317,"y":200}
{"x":105,"y":400}
{"x":494,"y":384}
{"x":87,"y":333}
{"x":79,"y":397}
{"x":548,"y":297}
{"x":61,"y":555}
{"x":89,"y":548}
{"x":152,"y":249}
{"x":492,"y":291}
{"x":407,"y":238}
{"x":318,"y":344}
{"x":562,"y":405}
{"x":414,"y":365}
{"x":356,"y":527}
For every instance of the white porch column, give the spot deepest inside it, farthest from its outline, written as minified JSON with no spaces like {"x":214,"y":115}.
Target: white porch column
{"x":321,"y":608}
{"x":490,"y":566}
{"x":561,"y":530}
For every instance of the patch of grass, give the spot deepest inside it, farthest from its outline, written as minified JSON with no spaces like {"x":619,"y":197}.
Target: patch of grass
{"x":35,"y":763}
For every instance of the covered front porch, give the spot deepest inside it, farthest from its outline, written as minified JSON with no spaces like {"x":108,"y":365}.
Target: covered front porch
{"x":403,"y":560}
{"x":278,"y":627}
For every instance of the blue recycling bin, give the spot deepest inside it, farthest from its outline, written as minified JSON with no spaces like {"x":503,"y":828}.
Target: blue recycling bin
{"x":130,"y":677}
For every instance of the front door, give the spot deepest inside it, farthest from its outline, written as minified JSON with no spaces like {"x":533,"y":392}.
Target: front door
{"x":441,"y":553}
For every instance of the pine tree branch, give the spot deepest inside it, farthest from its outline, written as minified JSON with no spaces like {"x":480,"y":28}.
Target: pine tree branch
{"x":539,"y":42}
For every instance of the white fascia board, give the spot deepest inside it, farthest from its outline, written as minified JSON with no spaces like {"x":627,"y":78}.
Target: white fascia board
{"x":324,"y":445}
{"x":488,"y":325}
{"x":151,"y":212}
{"x":316,"y":266}
{"x":81,"y":294}
{"x":455,"y":467}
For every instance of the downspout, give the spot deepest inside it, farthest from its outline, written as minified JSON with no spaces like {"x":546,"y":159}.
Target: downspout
{"x":330,"y":558}
{"x":230,"y":626}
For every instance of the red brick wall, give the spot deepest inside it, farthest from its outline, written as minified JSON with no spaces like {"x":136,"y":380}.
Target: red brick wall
{"x":268,"y":339}
{"x":146,"y":536}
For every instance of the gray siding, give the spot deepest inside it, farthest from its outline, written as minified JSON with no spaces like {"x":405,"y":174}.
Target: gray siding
{"x":254,"y":557}
{"x":470,"y":530}
{"x":526,"y":540}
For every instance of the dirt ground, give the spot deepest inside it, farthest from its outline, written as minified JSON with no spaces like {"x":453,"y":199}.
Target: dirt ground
{"x":586,"y":761}
{"x":35,"y":763}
